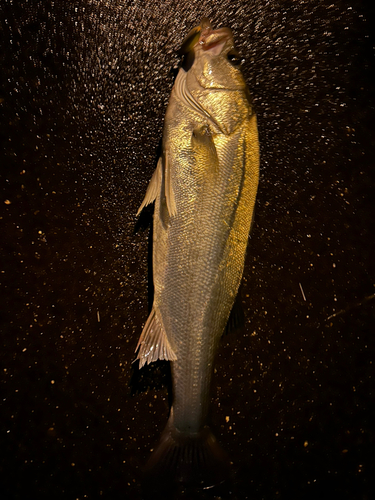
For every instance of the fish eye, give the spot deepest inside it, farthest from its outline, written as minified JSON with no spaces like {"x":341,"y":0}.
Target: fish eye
{"x":235,"y":59}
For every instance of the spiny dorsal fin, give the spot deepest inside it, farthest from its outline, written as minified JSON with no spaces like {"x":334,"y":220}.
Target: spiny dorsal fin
{"x":153,"y":187}
{"x":155,"y":184}
{"x":153,"y":343}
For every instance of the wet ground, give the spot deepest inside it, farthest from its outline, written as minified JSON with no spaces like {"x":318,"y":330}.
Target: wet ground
{"x":84,"y":90}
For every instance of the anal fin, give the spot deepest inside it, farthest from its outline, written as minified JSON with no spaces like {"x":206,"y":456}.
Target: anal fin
{"x":153,"y":343}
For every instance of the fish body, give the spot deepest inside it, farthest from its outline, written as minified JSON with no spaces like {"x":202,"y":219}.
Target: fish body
{"x":204,"y":188}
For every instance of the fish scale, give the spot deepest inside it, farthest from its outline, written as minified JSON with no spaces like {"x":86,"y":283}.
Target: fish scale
{"x":197,"y":332}
{"x":204,"y":189}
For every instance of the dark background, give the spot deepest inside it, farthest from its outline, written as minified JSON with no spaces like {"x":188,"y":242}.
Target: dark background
{"x":84,"y":88}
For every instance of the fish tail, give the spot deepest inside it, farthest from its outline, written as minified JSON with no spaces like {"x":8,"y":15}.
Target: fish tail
{"x":192,"y":459}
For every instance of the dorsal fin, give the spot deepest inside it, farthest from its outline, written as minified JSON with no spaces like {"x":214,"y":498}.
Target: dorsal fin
{"x":153,"y":188}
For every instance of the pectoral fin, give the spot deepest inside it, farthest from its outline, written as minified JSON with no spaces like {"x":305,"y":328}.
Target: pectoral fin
{"x":205,"y":153}
{"x":153,"y":343}
{"x":168,"y":186}
{"x":153,"y":187}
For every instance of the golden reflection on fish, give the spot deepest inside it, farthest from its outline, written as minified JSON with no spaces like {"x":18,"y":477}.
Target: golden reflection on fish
{"x":204,"y":188}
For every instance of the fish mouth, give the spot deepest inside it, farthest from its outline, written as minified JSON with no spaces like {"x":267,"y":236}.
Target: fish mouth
{"x":214,"y":40}
{"x":206,"y":38}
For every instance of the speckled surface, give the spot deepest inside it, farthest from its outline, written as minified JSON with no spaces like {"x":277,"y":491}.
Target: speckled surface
{"x":84,"y":91}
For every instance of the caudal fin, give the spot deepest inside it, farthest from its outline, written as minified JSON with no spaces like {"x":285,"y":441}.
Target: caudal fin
{"x":196,"y":459}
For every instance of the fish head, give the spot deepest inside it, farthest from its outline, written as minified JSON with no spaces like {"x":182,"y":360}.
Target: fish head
{"x":213,"y":58}
{"x":213,"y":77}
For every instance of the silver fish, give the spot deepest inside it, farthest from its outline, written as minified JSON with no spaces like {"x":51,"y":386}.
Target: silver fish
{"x":204,"y":189}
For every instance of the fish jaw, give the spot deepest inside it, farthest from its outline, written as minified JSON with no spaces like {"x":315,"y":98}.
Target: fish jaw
{"x":203,"y":36}
{"x":194,"y":36}
{"x":216,"y":40}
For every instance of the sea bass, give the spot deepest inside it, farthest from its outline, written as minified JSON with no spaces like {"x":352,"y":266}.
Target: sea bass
{"x":204,"y":189}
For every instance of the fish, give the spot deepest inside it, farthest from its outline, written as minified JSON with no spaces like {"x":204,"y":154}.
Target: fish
{"x":204,"y":188}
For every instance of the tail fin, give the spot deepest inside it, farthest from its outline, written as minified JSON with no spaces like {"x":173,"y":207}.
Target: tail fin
{"x":194,"y":460}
